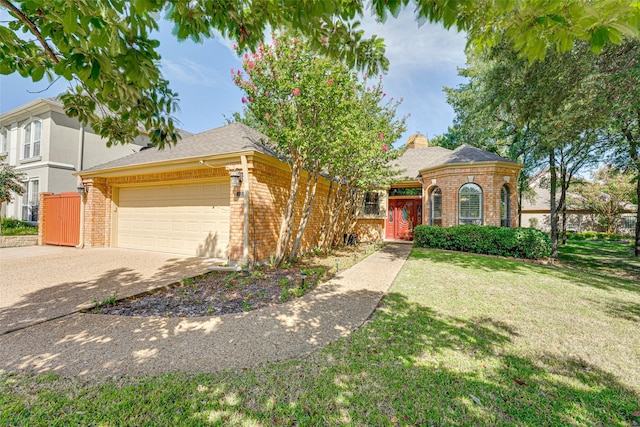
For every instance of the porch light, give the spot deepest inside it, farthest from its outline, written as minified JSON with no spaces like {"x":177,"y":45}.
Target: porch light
{"x":236,"y":178}
{"x":83,"y":189}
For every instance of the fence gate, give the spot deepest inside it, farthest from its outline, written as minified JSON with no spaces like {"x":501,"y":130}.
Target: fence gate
{"x":61,"y":219}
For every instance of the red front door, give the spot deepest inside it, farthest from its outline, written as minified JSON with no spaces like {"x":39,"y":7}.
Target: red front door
{"x":401,"y":218}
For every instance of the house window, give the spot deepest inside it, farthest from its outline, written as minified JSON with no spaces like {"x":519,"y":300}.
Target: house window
{"x":372,"y":203}
{"x":470,"y":205}
{"x":4,"y":140}
{"x":435,"y":207}
{"x":505,"y":208}
{"x":629,"y":223}
{"x":31,"y":142}
{"x":31,"y":201}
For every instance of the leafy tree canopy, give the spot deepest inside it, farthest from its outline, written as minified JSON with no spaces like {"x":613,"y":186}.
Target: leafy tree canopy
{"x":106,"y":48}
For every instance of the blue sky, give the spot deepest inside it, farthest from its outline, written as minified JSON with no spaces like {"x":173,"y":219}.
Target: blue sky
{"x":422,"y":61}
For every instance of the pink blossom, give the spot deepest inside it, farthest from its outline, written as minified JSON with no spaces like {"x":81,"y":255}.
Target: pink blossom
{"x":250,"y":64}
{"x":267,"y":94}
{"x":385,"y":148}
{"x":325,"y":40}
{"x":235,"y":47}
{"x":384,"y":94}
{"x":233,"y":71}
{"x":380,"y":136}
{"x":244,"y":100}
{"x":246,"y":56}
{"x":251,"y":99}
{"x":267,"y":116}
{"x":330,"y":81}
{"x":296,"y":92}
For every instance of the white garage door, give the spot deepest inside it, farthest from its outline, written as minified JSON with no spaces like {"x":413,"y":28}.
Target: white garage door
{"x":181,"y":219}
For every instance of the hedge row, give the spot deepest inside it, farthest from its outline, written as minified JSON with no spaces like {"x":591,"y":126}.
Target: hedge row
{"x":511,"y":242}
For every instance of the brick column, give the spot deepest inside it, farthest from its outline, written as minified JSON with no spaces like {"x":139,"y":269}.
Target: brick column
{"x":41,"y":213}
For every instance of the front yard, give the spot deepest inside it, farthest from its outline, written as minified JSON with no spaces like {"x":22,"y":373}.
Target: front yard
{"x":460,"y":340}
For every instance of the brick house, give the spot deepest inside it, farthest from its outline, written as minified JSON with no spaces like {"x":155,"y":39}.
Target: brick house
{"x":438,"y":186}
{"x":222,"y":194}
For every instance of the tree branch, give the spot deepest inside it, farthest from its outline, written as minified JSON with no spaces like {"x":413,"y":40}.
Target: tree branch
{"x":33,"y":27}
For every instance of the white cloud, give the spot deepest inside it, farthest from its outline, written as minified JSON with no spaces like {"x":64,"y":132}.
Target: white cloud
{"x":429,"y":46}
{"x":190,"y":72}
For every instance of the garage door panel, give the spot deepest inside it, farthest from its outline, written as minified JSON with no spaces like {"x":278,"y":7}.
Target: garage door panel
{"x":183,"y":219}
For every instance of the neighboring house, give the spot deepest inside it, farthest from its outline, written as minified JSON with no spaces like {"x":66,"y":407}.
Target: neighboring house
{"x":48,"y":147}
{"x":222,"y":194}
{"x":536,"y":210}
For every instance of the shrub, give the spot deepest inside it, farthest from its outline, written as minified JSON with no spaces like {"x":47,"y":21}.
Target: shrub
{"x":15,"y":227}
{"x":593,"y":235}
{"x":514,"y":242}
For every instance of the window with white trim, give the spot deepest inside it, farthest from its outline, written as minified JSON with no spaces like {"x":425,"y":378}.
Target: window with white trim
{"x":629,"y":223}
{"x":31,"y":200}
{"x":371,"y":203}
{"x":470,"y":205}
{"x":31,"y":142}
{"x":435,"y":207}
{"x":505,"y":208}
{"x":4,"y":140}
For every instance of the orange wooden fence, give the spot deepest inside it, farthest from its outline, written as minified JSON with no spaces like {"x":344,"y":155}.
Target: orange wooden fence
{"x":61,"y":219}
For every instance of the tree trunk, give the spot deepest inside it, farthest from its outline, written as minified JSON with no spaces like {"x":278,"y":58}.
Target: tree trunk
{"x":637,"y":247}
{"x":286,"y":226}
{"x":312,"y":185}
{"x":331,"y":200}
{"x":553,"y":208}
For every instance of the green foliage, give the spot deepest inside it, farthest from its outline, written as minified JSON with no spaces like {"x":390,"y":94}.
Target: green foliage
{"x":10,"y":181}
{"x":105,"y":49}
{"x":512,"y":242}
{"x":607,"y":196}
{"x":15,"y":227}
{"x":595,"y":235}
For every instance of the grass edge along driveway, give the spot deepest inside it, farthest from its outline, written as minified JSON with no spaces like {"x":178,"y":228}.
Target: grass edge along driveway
{"x":460,"y":340}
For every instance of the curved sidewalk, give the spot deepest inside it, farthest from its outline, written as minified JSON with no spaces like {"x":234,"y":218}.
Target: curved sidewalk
{"x":89,"y":344}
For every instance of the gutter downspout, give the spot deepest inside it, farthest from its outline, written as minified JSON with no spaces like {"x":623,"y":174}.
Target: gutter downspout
{"x":79,"y":184}
{"x":245,"y":190}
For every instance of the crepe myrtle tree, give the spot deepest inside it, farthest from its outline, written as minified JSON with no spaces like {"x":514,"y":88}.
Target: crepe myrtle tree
{"x":320,"y":118}
{"x":106,"y":49}
{"x":10,"y":183}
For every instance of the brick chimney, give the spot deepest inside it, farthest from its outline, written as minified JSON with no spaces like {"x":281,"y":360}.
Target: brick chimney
{"x":417,"y":140}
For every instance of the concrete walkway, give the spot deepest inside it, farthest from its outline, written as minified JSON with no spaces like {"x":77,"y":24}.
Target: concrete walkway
{"x":90,"y":344}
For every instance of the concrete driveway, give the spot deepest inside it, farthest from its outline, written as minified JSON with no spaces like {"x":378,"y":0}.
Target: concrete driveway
{"x":39,"y":283}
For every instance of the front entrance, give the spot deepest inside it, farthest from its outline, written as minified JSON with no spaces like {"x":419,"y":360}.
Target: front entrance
{"x":404,"y":214}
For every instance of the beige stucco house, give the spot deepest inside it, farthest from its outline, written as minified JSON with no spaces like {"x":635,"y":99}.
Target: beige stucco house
{"x":536,"y":210}
{"x":48,"y":147}
{"x":222,"y":194}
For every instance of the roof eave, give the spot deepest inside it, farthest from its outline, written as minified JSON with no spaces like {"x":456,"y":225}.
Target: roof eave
{"x":167,"y":165}
{"x":472,"y":164}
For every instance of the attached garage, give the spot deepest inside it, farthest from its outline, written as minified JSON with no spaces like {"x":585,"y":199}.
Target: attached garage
{"x":186,"y":219}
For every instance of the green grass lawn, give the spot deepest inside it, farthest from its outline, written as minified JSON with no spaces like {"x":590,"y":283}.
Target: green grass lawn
{"x":460,"y":340}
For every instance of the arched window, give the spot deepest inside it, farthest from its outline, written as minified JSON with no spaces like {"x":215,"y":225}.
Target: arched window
{"x":31,"y":140}
{"x":435,"y":207}
{"x":470,"y":205}
{"x":505,"y":207}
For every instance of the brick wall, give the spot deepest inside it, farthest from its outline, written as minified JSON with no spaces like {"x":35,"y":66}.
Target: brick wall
{"x":370,"y":229}
{"x":490,"y":178}
{"x":42,"y":207}
{"x":270,"y":185}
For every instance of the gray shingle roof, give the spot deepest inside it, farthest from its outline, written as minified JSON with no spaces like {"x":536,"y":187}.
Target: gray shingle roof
{"x":414,"y":160}
{"x":227,"y":139}
{"x":468,"y":154}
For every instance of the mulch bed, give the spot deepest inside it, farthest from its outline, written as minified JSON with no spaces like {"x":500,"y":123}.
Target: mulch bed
{"x":219,"y":293}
